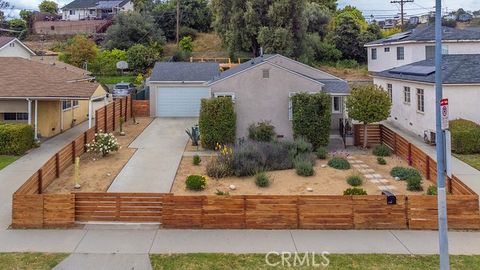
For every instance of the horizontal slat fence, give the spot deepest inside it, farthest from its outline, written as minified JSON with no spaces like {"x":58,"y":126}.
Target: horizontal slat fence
{"x":43,"y":211}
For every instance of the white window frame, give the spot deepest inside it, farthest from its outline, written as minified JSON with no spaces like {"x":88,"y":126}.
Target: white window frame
{"x":73,"y":104}
{"x":390,"y":91}
{"x":225,"y":94}
{"x":339,"y":104}
{"x":386,"y":49}
{"x":420,"y":97}
{"x":17,"y":118}
{"x":402,"y":54}
{"x":374,"y":55}
{"x":12,"y":44}
{"x":290,"y":105}
{"x":407,"y":95}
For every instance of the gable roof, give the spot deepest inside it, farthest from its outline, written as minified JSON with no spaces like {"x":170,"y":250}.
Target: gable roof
{"x":333,"y":86}
{"x":76,"y":4}
{"x":456,"y":69}
{"x":184,"y":71}
{"x":428,"y":34}
{"x":22,"y":78}
{"x":4,"y":41}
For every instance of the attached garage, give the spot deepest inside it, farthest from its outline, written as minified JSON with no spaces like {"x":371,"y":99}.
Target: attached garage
{"x":180,"y":101}
{"x":177,"y":88}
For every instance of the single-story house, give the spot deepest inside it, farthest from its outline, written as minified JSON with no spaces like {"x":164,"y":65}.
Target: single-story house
{"x":51,"y":99}
{"x":412,"y":90}
{"x":94,"y":9}
{"x":12,"y":47}
{"x":260,"y":88}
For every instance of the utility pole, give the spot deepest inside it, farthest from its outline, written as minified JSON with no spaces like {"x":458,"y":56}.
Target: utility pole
{"x":178,"y":21}
{"x":402,"y":3}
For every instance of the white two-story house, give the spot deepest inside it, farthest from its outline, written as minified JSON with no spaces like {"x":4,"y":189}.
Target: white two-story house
{"x":412,"y":91}
{"x":94,"y":9}
{"x":418,"y":45}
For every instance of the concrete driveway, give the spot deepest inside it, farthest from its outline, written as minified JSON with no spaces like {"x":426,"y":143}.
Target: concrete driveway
{"x":159,"y":152}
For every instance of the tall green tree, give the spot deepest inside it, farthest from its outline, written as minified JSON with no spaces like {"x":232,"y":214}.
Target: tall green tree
{"x":140,"y":57}
{"x":79,"y":51}
{"x":27,"y":16}
{"x":330,"y":4}
{"x":368,"y":104}
{"x":132,"y":28}
{"x":347,"y":38}
{"x":48,"y":6}
{"x":318,"y":17}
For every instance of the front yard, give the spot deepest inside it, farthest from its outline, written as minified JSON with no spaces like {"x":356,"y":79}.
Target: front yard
{"x":472,"y":160}
{"x":7,"y":160}
{"x":27,"y":261}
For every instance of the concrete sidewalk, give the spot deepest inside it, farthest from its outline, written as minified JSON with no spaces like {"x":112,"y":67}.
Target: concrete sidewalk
{"x":467,"y":174}
{"x":159,"y":152}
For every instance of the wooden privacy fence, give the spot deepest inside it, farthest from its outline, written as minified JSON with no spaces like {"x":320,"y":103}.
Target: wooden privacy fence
{"x":415,"y":157}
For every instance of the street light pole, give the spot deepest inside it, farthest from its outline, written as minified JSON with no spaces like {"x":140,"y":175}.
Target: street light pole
{"x":440,"y":143}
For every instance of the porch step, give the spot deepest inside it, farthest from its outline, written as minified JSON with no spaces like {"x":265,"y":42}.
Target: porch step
{"x":99,"y":225}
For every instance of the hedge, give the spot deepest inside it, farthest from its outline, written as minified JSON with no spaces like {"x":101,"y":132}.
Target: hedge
{"x":465,"y":136}
{"x":15,"y":139}
{"x":312,"y":117}
{"x":217,"y":122}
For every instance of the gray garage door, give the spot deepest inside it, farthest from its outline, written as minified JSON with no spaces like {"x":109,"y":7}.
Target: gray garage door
{"x":180,"y":102}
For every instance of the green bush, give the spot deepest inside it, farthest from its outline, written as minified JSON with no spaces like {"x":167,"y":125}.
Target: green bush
{"x":298,"y":147}
{"x":217,"y":169}
{"x":262,"y":179}
{"x":248,"y":159}
{"x":381,"y":161}
{"x":217,"y":122}
{"x":414,"y":183}
{"x":405,"y":173}
{"x":382,"y":150}
{"x":196,"y":182}
{"x":311,"y":117}
{"x":16,"y":139}
{"x":304,"y":167}
{"x":432,"y":190}
{"x":339,"y":163}
{"x":322,"y":152}
{"x":465,"y":136}
{"x":196,"y":160}
{"x":262,"y":132}
{"x":354,"y":191}
{"x":355,"y":180}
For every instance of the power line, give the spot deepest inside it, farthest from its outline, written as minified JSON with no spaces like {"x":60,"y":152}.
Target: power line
{"x":402,"y":3}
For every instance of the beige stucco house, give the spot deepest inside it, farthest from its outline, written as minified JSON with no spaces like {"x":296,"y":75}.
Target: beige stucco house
{"x":12,"y":47}
{"x":49,"y":98}
{"x":260,"y":88}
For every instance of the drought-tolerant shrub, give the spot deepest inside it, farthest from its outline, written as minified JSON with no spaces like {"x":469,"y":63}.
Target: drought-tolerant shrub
{"x":382,"y":150}
{"x":196,"y":182}
{"x":404,"y":173}
{"x":355,"y":180}
{"x":217,"y":169}
{"x":311,"y":117}
{"x":322,"y":152}
{"x":465,"y":136}
{"x":217,"y":122}
{"x":298,"y":147}
{"x":339,"y":163}
{"x":262,"y":179}
{"x":354,"y":191}
{"x":196,"y":160}
{"x":262,"y":132}
{"x":432,"y":190}
{"x":103,"y":143}
{"x":222,"y":193}
{"x":15,"y":139}
{"x":414,"y":183}
{"x":304,"y":166}
{"x":276,"y":156}
{"x":381,"y":161}
{"x":247,"y":159}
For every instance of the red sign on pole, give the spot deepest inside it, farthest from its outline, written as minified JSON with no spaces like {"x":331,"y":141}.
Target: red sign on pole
{"x":444,"y":112}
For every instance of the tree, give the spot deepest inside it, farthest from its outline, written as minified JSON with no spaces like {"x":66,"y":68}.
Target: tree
{"x":79,"y":51}
{"x":48,"y":6}
{"x":186,"y":44}
{"x":27,"y":16}
{"x":368,"y":104}
{"x":318,"y":18}
{"x":132,"y":28}
{"x":346,"y":38}
{"x":140,"y":58}
{"x":354,"y":13}
{"x":106,"y":61}
{"x":17,"y":24}
{"x":330,"y":4}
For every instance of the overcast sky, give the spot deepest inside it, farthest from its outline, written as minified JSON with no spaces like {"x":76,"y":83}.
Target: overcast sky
{"x":378,"y":8}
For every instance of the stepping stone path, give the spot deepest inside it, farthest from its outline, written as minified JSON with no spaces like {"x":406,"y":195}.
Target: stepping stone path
{"x":374,"y":178}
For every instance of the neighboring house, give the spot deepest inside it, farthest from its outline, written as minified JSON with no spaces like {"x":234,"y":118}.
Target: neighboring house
{"x":260,"y":88}
{"x":417,"y":45}
{"x":465,"y":17}
{"x":49,"y":98}
{"x":12,"y":47}
{"x":94,"y":9}
{"x":414,"y":20}
{"x":412,"y":90}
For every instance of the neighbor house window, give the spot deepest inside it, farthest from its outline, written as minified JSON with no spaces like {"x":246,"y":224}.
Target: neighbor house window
{"x":225,"y":94}
{"x":406,"y":94}
{"x":68,"y":104}
{"x":400,"y":53}
{"x":72,"y":12}
{"x":336,"y":104}
{"x":266,"y":73}
{"x":12,"y":44}
{"x":420,"y":100}
{"x":429,"y":52}
{"x":390,"y":91}
{"x":15,"y":116}
{"x":387,"y":49}
{"x":374,"y":54}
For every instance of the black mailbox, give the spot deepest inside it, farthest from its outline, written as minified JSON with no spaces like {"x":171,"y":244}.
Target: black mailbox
{"x":391,"y":199}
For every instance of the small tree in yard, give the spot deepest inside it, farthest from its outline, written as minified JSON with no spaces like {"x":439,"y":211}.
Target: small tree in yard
{"x":368,"y":104}
{"x":217,"y":122}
